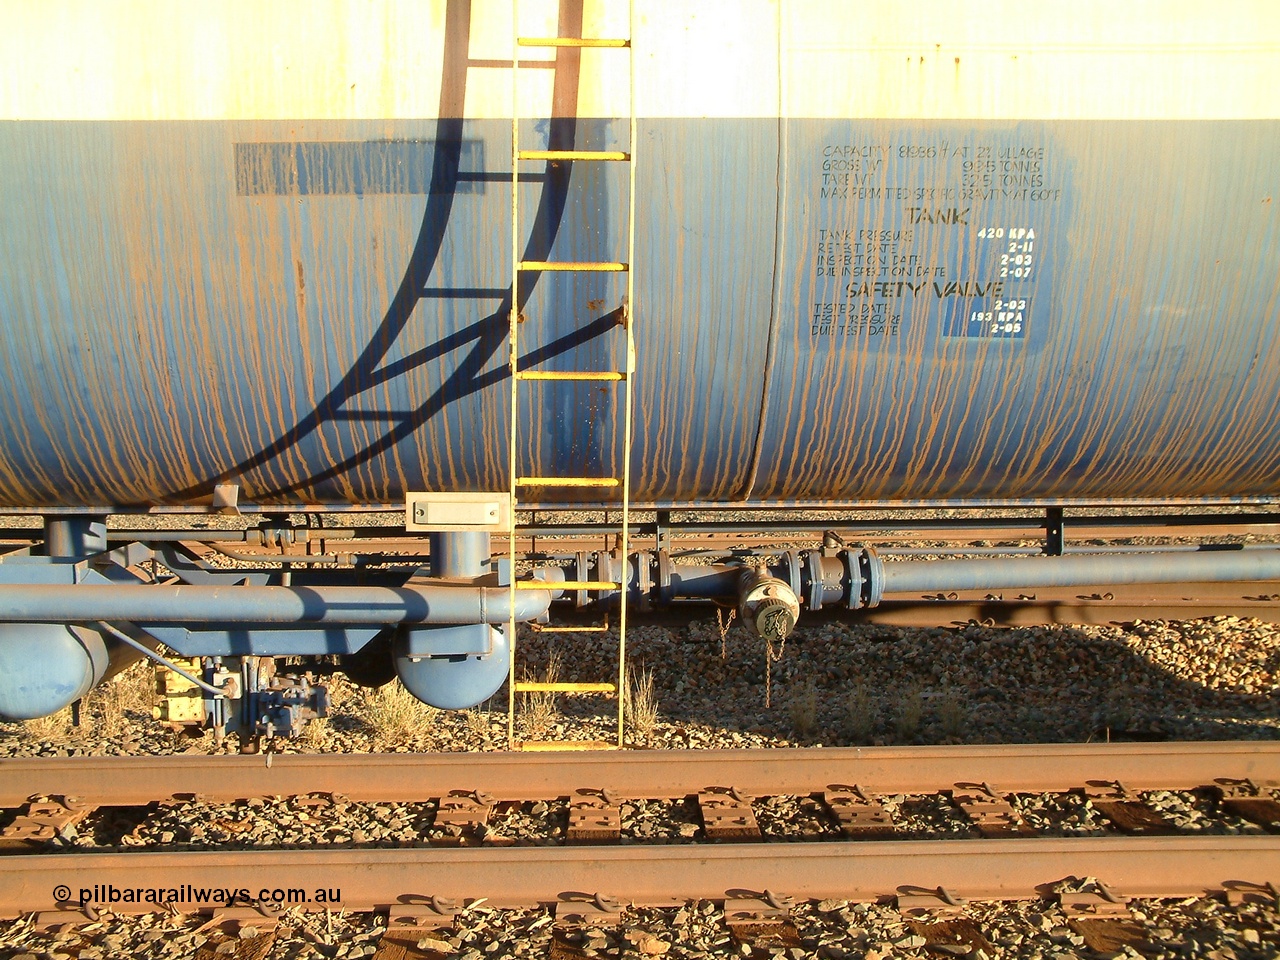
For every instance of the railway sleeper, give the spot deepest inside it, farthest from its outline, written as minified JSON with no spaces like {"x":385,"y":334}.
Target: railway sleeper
{"x":1126,"y":810}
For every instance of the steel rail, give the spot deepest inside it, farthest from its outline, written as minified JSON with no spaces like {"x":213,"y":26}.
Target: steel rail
{"x":518,"y":876}
{"x":639,"y":774}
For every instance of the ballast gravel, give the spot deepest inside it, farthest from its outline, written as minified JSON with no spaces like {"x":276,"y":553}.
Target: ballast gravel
{"x":835,"y":684}
{"x":828,"y":930}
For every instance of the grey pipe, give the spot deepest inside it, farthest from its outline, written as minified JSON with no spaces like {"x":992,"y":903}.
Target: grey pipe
{"x":932,"y":576}
{"x":75,"y":536}
{"x":458,"y":555}
{"x":431,"y":603}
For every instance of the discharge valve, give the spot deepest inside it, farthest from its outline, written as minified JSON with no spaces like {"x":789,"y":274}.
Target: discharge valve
{"x":767,"y":605}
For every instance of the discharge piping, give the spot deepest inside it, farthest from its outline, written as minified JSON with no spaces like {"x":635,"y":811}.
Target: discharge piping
{"x":428,"y":603}
{"x":932,"y":576}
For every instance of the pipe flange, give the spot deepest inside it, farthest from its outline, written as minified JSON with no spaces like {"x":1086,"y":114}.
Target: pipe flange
{"x":853,"y":572}
{"x":794,"y":571}
{"x":609,"y":569}
{"x":872,"y":569}
{"x":666,"y":593}
{"x":813,"y":569}
{"x":644,"y":580}
{"x":582,"y":573}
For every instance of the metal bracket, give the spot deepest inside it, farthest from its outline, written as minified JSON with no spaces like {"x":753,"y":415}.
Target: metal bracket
{"x":1103,"y":903}
{"x":234,"y":919}
{"x":871,"y":576}
{"x":226,"y":497}
{"x":794,"y":580}
{"x":582,"y":573}
{"x":430,"y":914}
{"x":594,"y":817}
{"x":445,"y":512}
{"x":588,"y":910}
{"x":813,"y":568}
{"x":42,"y":820}
{"x":853,"y":571}
{"x":1055,"y":532}
{"x":767,"y":906}
{"x":858,"y":814}
{"x":643,"y":592}
{"x":66,"y":918}
{"x":763,"y":920}
{"x":929,"y":902}
{"x":463,"y":816}
{"x":727,"y":815}
{"x":991,"y":812}
{"x":1240,"y":892}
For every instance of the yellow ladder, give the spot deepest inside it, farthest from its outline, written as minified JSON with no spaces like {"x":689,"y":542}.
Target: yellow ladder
{"x":621,"y":481}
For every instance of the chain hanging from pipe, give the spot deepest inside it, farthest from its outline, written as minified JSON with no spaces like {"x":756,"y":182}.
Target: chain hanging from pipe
{"x":770,"y":658}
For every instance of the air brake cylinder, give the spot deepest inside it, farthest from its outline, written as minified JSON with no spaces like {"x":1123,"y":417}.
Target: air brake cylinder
{"x":767,"y":605}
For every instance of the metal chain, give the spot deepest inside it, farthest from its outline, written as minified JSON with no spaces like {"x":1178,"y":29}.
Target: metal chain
{"x":770,"y":658}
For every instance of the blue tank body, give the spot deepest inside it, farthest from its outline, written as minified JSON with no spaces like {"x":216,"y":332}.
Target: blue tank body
{"x":826,"y":309}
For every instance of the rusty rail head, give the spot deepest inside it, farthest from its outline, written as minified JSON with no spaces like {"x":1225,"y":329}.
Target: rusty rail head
{"x":647,"y":774}
{"x":522,"y":876}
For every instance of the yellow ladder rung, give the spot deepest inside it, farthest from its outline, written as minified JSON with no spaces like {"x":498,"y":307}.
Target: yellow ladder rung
{"x":572,"y":42}
{"x":533,"y":686}
{"x":566,"y":585}
{"x":606,"y":266}
{"x":552,"y":746}
{"x":539,"y":628}
{"x":567,"y":481}
{"x":574,"y":155}
{"x":571,"y":375}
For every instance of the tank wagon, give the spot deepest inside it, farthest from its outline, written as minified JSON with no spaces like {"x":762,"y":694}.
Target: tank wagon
{"x":284,"y":259}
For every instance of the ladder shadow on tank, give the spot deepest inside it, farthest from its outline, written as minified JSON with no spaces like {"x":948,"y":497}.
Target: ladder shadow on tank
{"x":486,"y":336}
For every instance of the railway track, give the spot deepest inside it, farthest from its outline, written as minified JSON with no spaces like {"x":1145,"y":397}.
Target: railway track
{"x":1010,"y":834}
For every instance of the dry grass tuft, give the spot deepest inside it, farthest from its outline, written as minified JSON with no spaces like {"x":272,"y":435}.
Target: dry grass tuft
{"x":477,"y":722}
{"x":953,"y":714}
{"x":54,"y":728}
{"x":642,"y":705}
{"x":539,"y":710}
{"x":110,"y":710}
{"x":860,"y":715}
{"x":123,"y":702}
{"x":804,"y":710}
{"x":906,"y":724}
{"x":1115,"y":714}
{"x":393,"y":715}
{"x":315,"y":735}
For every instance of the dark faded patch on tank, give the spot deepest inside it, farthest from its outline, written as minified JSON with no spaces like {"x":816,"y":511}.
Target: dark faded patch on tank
{"x":355,"y":167}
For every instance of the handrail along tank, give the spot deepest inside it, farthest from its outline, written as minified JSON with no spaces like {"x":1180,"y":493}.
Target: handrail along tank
{"x":920,"y":250}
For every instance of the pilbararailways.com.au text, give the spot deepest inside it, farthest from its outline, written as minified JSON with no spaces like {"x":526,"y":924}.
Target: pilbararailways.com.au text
{"x":105,"y":894}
